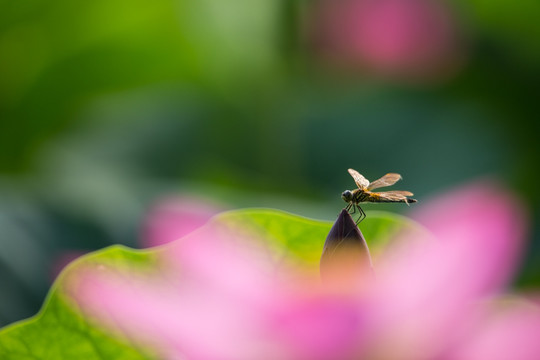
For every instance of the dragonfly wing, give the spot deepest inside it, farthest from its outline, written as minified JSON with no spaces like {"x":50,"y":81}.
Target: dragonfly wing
{"x":386,"y":180}
{"x":396,"y":195}
{"x":360,"y":181}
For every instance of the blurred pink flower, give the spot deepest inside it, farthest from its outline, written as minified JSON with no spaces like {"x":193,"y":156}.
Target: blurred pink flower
{"x":173,"y":217}
{"x":222,"y":295}
{"x":391,"y":37}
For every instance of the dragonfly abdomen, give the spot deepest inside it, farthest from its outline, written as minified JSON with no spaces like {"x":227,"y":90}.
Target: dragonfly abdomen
{"x":375,"y":198}
{"x":369,"y":197}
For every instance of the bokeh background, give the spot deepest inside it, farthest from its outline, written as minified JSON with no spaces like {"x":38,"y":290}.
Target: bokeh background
{"x":108,"y":108}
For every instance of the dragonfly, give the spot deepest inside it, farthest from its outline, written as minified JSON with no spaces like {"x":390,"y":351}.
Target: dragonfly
{"x":363,"y":193}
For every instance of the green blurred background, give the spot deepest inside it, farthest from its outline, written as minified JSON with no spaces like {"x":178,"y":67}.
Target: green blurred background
{"x":106,"y":106}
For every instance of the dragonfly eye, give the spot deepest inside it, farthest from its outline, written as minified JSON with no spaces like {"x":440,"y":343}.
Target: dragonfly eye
{"x":347,"y":196}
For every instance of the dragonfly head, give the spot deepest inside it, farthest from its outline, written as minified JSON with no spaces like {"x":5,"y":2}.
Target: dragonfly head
{"x":347,"y":196}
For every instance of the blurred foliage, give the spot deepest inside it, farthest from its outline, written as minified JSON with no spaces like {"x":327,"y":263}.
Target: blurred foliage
{"x":106,"y":104}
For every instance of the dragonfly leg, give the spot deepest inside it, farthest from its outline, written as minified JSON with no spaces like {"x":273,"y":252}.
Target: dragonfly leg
{"x":362,"y":215}
{"x":353,"y":210}
{"x":348,"y":206}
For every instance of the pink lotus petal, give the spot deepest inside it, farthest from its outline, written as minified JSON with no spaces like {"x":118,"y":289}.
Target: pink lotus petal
{"x":320,"y":327}
{"x":488,"y":222}
{"x":210,"y":303}
{"x":221,"y":295}
{"x":509,"y":331}
{"x":427,"y":290}
{"x":174,"y":217}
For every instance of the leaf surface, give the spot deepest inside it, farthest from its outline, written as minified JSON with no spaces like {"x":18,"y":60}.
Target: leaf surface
{"x":61,"y":331}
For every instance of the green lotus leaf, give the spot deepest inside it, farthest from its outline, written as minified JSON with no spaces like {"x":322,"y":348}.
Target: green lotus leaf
{"x":61,"y":331}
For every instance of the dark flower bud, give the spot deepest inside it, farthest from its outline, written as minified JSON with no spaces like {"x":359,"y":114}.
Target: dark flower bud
{"x":345,"y":252}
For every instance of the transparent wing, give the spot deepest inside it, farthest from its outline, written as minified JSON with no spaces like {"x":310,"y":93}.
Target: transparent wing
{"x":360,"y":181}
{"x":386,"y":180}
{"x":397,"y":195}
